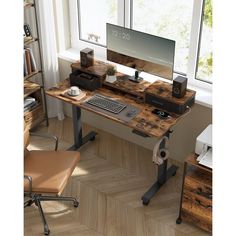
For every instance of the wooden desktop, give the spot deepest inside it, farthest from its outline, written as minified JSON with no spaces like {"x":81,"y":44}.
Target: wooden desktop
{"x":145,"y":122}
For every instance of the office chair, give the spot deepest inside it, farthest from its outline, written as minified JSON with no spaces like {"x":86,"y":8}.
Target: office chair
{"x":46,"y":174}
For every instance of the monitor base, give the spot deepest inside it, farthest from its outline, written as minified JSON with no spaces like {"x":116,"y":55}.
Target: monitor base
{"x":136,"y":80}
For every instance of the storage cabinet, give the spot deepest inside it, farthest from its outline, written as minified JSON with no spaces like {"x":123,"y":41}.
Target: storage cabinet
{"x":196,"y":196}
{"x":33,"y":70}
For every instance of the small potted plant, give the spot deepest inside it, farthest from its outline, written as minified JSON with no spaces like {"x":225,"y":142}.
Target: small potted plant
{"x":111,"y":74}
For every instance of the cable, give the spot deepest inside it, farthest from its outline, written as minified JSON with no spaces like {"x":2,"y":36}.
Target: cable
{"x":189,"y":109}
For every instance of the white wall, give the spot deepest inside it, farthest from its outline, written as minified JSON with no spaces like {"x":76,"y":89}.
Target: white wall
{"x":182,"y":139}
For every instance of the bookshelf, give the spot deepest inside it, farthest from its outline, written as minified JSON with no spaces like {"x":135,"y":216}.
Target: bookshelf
{"x":35,"y":107}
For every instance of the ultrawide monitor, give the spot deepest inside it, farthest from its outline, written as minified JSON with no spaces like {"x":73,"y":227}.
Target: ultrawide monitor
{"x":141,"y":51}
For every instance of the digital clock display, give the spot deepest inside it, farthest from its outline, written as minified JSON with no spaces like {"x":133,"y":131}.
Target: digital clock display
{"x":122,"y":35}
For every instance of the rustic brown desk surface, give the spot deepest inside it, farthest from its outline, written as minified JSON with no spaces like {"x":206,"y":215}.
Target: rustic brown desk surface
{"x":145,"y":121}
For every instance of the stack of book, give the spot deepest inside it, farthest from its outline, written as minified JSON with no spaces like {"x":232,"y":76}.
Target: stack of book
{"x":29,"y":62}
{"x":29,"y":103}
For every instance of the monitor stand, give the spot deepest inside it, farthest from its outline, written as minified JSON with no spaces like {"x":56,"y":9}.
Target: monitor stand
{"x":136,"y":77}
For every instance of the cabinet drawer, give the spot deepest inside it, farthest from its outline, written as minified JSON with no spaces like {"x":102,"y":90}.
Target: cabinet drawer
{"x":198,"y":188}
{"x":197,"y":206}
{"x":205,"y":225}
{"x":196,"y":199}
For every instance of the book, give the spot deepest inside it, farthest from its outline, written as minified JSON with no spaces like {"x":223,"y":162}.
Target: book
{"x":31,"y":106}
{"x":28,"y":61}
{"x":32,"y":59}
{"x":28,"y":101}
{"x":25,"y":65}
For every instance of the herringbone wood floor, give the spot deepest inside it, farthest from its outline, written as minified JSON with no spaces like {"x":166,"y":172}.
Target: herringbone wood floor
{"x":109,"y":181}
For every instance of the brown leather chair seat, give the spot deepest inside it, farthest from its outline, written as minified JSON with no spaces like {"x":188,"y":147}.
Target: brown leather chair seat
{"x":46,"y":174}
{"x":49,"y":170}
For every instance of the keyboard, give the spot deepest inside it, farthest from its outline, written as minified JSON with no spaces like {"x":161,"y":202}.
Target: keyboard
{"x":106,"y":103}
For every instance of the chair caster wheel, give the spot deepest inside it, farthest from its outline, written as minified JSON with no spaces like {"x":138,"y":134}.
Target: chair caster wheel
{"x":92,"y":138}
{"x":76,"y":204}
{"x":47,"y":232}
{"x":178,"y":221}
{"x":145,"y":201}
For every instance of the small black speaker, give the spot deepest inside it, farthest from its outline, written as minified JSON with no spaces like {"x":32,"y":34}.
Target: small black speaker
{"x":86,"y":57}
{"x":179,"y":87}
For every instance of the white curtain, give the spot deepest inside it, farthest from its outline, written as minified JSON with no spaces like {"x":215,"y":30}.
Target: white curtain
{"x":49,"y":55}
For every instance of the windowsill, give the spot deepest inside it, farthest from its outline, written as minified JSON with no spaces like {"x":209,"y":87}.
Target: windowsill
{"x":203,"y":96}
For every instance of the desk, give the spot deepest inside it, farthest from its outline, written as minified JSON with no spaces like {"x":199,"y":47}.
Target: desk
{"x":145,"y":123}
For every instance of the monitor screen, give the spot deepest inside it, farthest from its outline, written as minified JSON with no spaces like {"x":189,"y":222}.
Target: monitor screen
{"x":141,"y":51}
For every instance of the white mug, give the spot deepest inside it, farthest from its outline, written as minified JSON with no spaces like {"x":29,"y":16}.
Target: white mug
{"x":74,"y":90}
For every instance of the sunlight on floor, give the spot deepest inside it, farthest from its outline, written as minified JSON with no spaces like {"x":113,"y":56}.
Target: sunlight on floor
{"x":80,"y":171}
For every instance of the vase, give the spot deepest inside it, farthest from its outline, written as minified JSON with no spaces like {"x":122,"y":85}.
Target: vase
{"x":110,"y":78}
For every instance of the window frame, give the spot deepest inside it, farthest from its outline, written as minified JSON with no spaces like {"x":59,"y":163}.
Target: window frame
{"x":125,"y":19}
{"x":199,"y":46}
{"x":195,"y":42}
{"x":120,"y":17}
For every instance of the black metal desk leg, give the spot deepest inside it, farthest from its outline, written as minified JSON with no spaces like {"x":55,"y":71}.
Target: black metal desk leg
{"x":163,"y":175}
{"x":179,"y":219}
{"x":79,"y":140}
{"x":77,"y":126}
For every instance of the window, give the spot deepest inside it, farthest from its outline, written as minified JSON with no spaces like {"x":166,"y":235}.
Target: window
{"x":169,"y":19}
{"x":188,"y":22}
{"x":204,"y":71}
{"x":93,"y":16}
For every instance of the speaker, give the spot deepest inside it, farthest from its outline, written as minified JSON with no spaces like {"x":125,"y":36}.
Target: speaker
{"x":179,"y":87}
{"x":86,"y":57}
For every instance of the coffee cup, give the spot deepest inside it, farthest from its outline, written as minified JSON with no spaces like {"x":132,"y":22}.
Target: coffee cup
{"x":74,"y":90}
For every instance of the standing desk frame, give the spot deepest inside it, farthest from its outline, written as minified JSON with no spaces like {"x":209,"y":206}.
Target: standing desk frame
{"x":163,"y":173}
{"x":79,"y":140}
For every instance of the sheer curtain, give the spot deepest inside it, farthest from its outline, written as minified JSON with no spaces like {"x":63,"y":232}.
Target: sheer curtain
{"x":49,"y":54}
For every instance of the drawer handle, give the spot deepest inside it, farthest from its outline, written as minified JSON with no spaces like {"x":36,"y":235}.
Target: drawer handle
{"x":200,"y":192}
{"x":205,"y":206}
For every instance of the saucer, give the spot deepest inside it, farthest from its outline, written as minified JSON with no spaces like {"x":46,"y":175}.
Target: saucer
{"x":73,"y":95}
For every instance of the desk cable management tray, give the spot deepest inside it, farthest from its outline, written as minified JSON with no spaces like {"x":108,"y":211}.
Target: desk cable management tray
{"x":106,"y":103}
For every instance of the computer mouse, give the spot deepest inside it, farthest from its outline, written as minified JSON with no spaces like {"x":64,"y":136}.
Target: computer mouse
{"x":131,"y":112}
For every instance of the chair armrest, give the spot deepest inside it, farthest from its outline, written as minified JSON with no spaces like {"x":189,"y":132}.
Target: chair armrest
{"x":55,"y":138}
{"x":29,"y":178}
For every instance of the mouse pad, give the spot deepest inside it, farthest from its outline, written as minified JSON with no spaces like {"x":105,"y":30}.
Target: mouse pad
{"x":122,"y":115}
